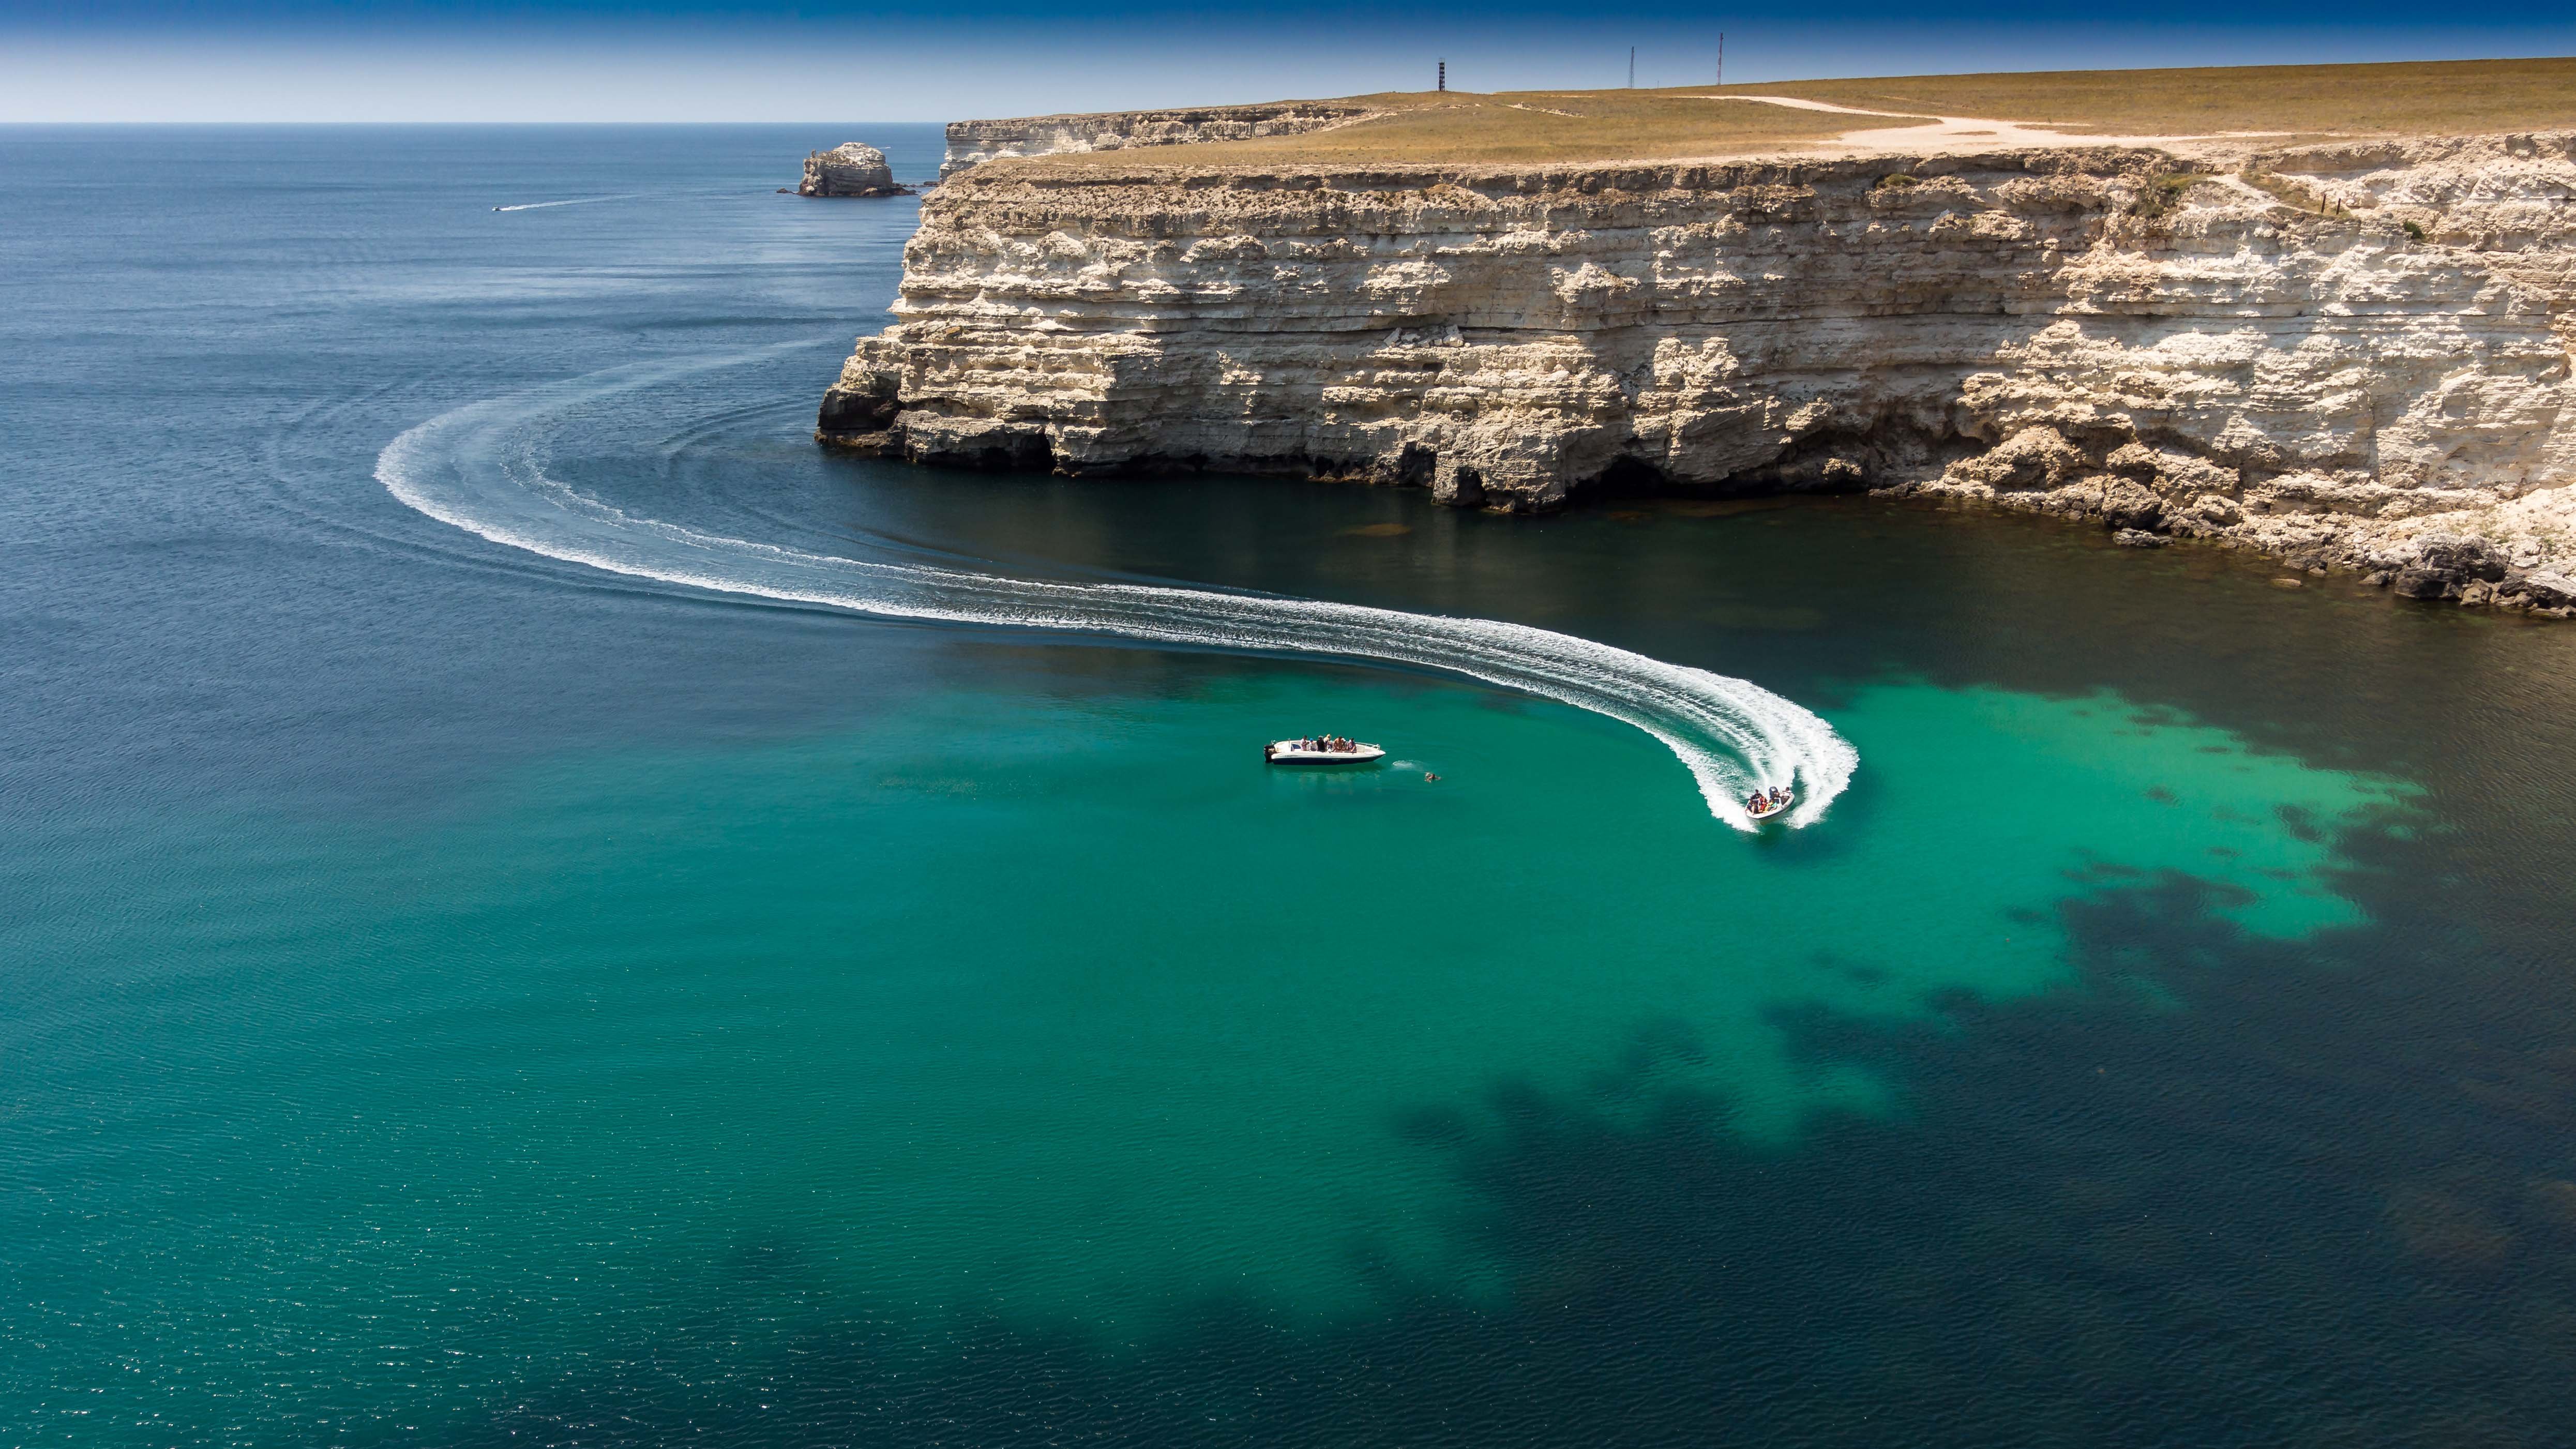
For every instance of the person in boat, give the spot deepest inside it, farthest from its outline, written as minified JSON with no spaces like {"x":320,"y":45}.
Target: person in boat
{"x":1755,"y":804}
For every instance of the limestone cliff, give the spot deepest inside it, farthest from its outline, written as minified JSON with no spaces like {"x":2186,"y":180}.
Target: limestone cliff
{"x":2355,"y":354}
{"x":971,"y":143}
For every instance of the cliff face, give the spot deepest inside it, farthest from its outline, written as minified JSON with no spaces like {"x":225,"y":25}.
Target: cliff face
{"x":2356,"y":355}
{"x":971,"y":143}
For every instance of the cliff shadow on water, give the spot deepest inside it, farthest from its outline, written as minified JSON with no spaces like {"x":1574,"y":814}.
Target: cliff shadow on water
{"x":1814,"y":595}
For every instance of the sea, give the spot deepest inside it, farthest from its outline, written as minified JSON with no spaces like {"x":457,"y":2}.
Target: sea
{"x":537,"y":906}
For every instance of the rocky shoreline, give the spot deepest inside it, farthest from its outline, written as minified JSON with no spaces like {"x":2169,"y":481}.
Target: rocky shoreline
{"x":2350,"y":356}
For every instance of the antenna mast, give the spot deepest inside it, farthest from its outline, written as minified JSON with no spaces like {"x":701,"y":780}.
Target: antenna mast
{"x":1721,"y":57}
{"x":1444,"y":75}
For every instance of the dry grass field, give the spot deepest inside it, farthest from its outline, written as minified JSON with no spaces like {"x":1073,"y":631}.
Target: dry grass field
{"x":2416,"y":98}
{"x":1558,"y":127}
{"x":1526,"y":127}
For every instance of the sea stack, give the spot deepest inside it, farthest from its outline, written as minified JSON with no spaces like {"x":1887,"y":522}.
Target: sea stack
{"x":850,"y":169}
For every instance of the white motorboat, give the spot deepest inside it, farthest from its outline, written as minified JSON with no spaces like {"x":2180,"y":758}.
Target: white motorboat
{"x":1769,"y":809}
{"x":1320,"y":752}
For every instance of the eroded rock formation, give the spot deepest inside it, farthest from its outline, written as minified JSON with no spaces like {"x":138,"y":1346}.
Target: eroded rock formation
{"x":2351,"y":355}
{"x":849,"y":169}
{"x":970,"y":143}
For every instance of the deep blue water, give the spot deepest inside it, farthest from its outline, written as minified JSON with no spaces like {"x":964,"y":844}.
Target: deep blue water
{"x":452,"y":994}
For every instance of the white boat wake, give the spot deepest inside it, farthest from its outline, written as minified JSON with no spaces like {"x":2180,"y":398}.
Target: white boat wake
{"x":575,"y":201}
{"x":482,"y":468}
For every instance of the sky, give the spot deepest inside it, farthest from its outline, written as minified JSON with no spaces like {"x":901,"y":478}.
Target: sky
{"x":829,"y":60}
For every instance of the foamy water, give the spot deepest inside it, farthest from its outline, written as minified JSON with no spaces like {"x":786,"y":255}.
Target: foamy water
{"x":483,"y":468}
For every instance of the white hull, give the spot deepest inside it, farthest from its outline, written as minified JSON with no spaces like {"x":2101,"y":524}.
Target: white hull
{"x":1286,"y":752}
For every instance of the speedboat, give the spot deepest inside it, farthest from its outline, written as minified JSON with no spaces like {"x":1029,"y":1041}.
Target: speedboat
{"x":1317,"y":752}
{"x":1787,"y":799}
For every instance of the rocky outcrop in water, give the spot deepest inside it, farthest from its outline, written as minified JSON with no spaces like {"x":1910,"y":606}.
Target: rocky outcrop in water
{"x":849,"y":169}
{"x":2345,"y":355}
{"x":971,"y":143}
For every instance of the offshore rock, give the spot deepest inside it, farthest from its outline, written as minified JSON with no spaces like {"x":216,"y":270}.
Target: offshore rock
{"x":2016,"y":328}
{"x":849,"y":169}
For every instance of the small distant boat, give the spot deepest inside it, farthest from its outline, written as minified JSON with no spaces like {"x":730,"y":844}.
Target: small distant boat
{"x":1320,"y":752}
{"x":1768,"y":809}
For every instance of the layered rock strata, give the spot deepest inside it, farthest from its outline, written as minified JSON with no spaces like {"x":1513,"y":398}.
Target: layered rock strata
{"x":2352,"y":355}
{"x":971,"y":143}
{"x":849,"y":169}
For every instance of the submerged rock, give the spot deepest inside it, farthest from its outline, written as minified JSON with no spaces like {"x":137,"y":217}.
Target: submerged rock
{"x":850,"y":169}
{"x":2139,"y":538}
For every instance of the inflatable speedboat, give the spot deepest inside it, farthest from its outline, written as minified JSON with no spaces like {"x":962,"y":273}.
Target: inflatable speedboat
{"x":1768,"y":809}
{"x":1320,"y":752}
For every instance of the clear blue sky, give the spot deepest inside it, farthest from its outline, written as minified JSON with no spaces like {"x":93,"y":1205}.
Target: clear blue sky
{"x":751,"y":60}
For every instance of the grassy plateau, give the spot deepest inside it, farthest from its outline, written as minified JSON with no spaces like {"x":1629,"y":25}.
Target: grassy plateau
{"x":2424,"y":98}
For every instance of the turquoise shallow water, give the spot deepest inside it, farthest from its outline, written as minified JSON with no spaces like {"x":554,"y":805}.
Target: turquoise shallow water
{"x":454,"y":994}
{"x":1072,"y":1011}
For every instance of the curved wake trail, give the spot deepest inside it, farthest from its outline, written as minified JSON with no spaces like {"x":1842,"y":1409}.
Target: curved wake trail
{"x":575,"y":201}
{"x":482,"y":468}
